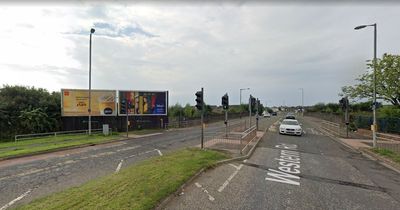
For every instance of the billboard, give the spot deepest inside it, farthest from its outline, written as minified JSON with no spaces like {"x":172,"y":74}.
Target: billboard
{"x":143,"y":102}
{"x":75,"y":102}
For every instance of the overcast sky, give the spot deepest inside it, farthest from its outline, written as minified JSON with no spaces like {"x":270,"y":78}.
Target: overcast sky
{"x":274,"y":49}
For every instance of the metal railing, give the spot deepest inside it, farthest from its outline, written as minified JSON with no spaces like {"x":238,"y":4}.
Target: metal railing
{"x":38,"y":135}
{"x":237,"y":139}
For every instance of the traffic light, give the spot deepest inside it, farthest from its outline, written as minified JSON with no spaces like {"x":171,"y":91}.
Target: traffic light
{"x":123,"y":106}
{"x":199,"y":100}
{"x":225,"y":102}
{"x":344,"y":103}
{"x":252,"y":101}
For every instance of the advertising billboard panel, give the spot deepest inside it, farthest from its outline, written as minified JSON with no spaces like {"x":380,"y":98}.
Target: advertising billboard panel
{"x":75,"y":102}
{"x":143,"y":102}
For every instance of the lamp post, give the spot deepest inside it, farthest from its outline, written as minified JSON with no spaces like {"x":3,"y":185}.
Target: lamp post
{"x":90,"y":82}
{"x":240,"y":103}
{"x":302,"y":101}
{"x":374,"y":126}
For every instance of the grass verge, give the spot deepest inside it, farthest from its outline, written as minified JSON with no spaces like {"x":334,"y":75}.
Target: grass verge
{"x":140,"y":186}
{"x":387,"y":153}
{"x":32,"y":146}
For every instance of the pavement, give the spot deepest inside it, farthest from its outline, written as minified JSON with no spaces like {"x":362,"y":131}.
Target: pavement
{"x":28,"y":178}
{"x":313,"y":171}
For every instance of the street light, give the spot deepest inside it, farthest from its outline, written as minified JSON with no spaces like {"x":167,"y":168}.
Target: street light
{"x":240,"y":105}
{"x":374,"y":63}
{"x":90,"y":82}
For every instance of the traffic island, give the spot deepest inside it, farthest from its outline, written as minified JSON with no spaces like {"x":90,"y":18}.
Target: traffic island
{"x":141,"y":186}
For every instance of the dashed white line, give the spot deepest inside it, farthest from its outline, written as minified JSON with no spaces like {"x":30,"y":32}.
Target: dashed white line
{"x":128,"y":148}
{"x":211,"y":198}
{"x":15,"y":200}
{"x":220,"y":189}
{"x":119,"y":166}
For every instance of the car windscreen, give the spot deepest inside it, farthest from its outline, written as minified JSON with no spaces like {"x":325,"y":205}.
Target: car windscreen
{"x":289,"y":123}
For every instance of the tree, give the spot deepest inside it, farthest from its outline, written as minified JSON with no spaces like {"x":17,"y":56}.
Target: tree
{"x":22,"y":109}
{"x":387,"y":81}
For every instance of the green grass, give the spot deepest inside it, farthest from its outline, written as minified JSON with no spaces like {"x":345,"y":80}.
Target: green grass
{"x":140,"y":186}
{"x":387,"y":153}
{"x":24,"y":147}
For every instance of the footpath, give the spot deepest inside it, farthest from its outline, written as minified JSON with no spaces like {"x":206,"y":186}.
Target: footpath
{"x":361,"y":142}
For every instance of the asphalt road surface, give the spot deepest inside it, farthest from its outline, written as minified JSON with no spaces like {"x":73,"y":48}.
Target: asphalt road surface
{"x":290,"y":172}
{"x":24,"y":179}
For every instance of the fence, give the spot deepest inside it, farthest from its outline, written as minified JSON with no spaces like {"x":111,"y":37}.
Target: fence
{"x":384,"y":139}
{"x":385,"y":125}
{"x":38,"y":135}
{"x":237,"y":139}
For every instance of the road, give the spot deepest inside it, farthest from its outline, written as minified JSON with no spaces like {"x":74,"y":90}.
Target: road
{"x":24,"y":179}
{"x":289,"y":172}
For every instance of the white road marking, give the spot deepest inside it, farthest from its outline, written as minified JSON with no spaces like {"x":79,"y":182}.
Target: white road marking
{"x":119,"y":166}
{"x":220,"y":189}
{"x":237,"y":167}
{"x":128,"y":148}
{"x":15,"y":200}
{"x":159,"y":152}
{"x":204,"y":190}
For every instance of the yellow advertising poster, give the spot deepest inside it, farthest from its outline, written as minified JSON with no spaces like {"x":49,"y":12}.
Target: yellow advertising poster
{"x":76,"y":102}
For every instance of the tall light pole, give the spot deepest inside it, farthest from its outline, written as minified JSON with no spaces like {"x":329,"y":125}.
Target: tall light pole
{"x":374,"y":126}
{"x":90,"y":82}
{"x":240,"y":100}
{"x":302,"y":101}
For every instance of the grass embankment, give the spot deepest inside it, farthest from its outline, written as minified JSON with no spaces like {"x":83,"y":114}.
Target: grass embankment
{"x":387,"y":153}
{"x":31,"y":146}
{"x":140,"y":186}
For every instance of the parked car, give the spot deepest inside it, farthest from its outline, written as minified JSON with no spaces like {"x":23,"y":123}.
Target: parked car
{"x":290,"y":126}
{"x":273,"y":113}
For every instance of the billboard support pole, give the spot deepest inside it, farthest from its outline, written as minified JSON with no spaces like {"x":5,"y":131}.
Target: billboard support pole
{"x":127,"y":120}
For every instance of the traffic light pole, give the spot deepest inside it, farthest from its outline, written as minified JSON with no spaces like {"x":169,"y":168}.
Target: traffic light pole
{"x":202,"y":119}
{"x":250,"y":111}
{"x":347,"y":122}
{"x":257,"y":116}
{"x":226,"y":123}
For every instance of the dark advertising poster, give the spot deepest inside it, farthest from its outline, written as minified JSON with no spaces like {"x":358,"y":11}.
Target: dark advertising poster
{"x":143,"y":102}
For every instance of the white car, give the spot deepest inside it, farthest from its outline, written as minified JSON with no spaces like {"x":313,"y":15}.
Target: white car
{"x":266,"y":114}
{"x":289,"y":126}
